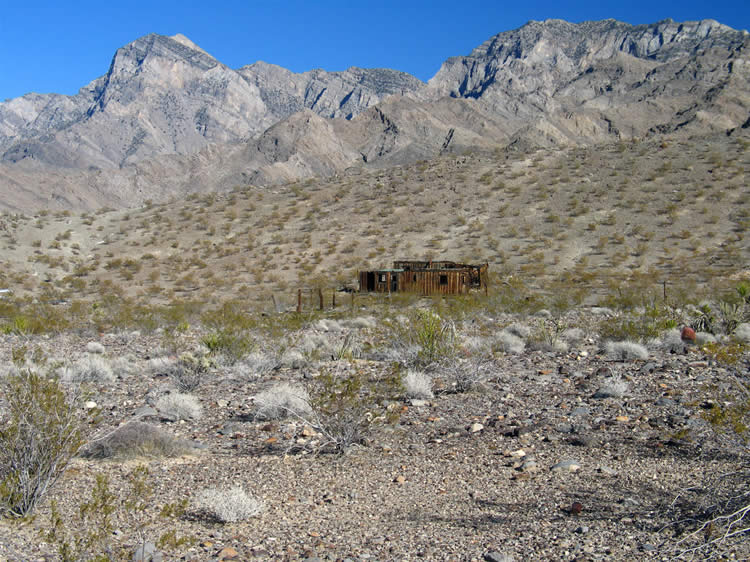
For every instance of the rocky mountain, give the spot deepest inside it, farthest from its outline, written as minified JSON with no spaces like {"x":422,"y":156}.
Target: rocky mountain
{"x":165,"y":95}
{"x":168,"y":118}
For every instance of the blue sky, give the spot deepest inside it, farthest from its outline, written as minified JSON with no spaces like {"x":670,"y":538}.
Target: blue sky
{"x":54,"y":46}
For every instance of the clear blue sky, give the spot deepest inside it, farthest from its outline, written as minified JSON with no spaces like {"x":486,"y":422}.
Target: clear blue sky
{"x":57,"y":46}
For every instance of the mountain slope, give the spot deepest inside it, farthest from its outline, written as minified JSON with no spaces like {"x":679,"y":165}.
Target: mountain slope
{"x":168,"y":119}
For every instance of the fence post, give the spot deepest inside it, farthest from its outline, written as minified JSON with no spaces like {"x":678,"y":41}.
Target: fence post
{"x":320,"y":298}
{"x":299,"y":300}
{"x":333,"y":298}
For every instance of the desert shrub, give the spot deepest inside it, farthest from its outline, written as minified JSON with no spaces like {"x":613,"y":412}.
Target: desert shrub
{"x":228,"y":345}
{"x":546,"y":335}
{"x":519,"y":330}
{"x":625,"y":350}
{"x":742,"y":332}
{"x":508,"y":342}
{"x":329,"y":346}
{"x":40,"y":431}
{"x":88,"y":369}
{"x":465,"y":374}
{"x":573,"y":335}
{"x":292,"y":359}
{"x":418,"y":385}
{"x":423,"y":339}
{"x":345,"y":408}
{"x":187,"y":373}
{"x":227,"y":505}
{"x":612,"y":387}
{"x":260,"y":363}
{"x":94,"y":347}
{"x":96,"y":529}
{"x":136,"y":439}
{"x":179,"y":406}
{"x":671,"y":342}
{"x":282,"y":400}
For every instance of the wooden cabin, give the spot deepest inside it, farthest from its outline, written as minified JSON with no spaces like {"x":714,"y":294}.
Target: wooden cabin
{"x":426,"y":278}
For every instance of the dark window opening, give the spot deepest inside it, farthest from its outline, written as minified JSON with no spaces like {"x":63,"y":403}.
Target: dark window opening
{"x":415,"y":277}
{"x":443,"y":279}
{"x":382,"y":277}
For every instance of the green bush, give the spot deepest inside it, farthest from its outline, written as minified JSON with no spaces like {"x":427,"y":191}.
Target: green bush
{"x":345,"y":409}
{"x":40,"y":433}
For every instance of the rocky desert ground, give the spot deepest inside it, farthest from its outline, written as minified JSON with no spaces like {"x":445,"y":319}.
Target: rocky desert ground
{"x":481,"y":434}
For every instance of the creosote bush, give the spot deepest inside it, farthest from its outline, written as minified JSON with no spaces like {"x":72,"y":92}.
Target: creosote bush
{"x":345,"y":408}
{"x":95,"y":531}
{"x":40,"y":431}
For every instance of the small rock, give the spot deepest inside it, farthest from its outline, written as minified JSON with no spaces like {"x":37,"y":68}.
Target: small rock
{"x":575,"y":508}
{"x":476,"y":427}
{"x":649,"y":367}
{"x":419,"y":403}
{"x":90,"y":405}
{"x":566,"y":466}
{"x":622,"y":419}
{"x":400,"y":479}
{"x":221,"y":403}
{"x":529,"y":466}
{"x":606,"y":471}
{"x":145,"y":412}
{"x":228,"y":553}
{"x":147,"y":553}
{"x":495,"y":556}
{"x":308,"y":431}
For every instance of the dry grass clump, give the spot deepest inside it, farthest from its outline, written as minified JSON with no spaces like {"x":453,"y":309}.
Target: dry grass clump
{"x":418,"y":385}
{"x":625,"y":350}
{"x":282,"y":400}
{"x":136,"y":439}
{"x":508,"y":342}
{"x":179,"y":406}
{"x":227,"y":505}
{"x":88,"y":369}
{"x":612,"y":387}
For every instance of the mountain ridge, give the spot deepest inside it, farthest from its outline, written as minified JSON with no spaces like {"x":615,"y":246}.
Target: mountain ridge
{"x":166,"y":103}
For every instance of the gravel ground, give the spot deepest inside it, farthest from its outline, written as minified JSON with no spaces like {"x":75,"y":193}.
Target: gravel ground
{"x":528,"y":466}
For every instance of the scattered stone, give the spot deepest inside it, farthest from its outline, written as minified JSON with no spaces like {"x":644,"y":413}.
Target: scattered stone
{"x":566,"y":466}
{"x":145,"y":412}
{"x":495,"y":556}
{"x":90,"y":405}
{"x":529,"y":466}
{"x":147,"y":553}
{"x":476,"y":427}
{"x":606,"y":471}
{"x":622,"y":419}
{"x":400,"y":479}
{"x":418,"y":403}
{"x":228,"y":553}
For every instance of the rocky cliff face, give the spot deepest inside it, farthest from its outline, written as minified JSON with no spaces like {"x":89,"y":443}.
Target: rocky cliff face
{"x":167,"y":117}
{"x":165,"y":95}
{"x":593,"y":80}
